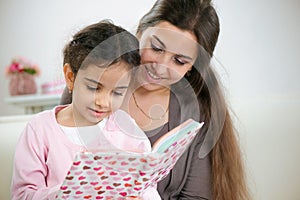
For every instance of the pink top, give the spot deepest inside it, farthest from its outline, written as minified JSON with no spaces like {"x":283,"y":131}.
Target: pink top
{"x":43,"y":157}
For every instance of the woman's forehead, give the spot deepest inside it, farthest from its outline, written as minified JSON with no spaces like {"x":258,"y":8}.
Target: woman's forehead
{"x":176,"y":40}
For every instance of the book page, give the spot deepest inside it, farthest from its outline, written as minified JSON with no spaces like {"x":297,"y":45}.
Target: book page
{"x":175,"y":135}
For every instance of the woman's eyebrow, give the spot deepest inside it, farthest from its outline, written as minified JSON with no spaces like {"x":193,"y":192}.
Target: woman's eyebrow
{"x":185,"y":57}
{"x":164,"y":46}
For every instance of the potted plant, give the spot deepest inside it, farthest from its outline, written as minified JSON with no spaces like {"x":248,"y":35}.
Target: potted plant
{"x":22,"y":74}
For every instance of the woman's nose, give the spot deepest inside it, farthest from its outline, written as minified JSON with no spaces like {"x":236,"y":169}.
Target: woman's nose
{"x":163,"y":63}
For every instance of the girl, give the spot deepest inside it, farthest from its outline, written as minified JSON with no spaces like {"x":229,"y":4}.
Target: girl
{"x":97,"y":69}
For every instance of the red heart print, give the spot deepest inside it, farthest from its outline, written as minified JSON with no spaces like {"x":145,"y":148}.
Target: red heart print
{"x":124,"y":194}
{"x":116,"y":184}
{"x":83,"y":182}
{"x":69,"y":177}
{"x":112,"y":162}
{"x":108,"y":157}
{"x":131,"y":159}
{"x":78,"y":192}
{"x":94,"y":183}
{"x":97,"y":157}
{"x":63,"y":187}
{"x":77,"y":163}
{"x":101,"y":173}
{"x":104,"y":177}
{"x":137,"y":183}
{"x":131,"y":169}
{"x":142,"y":173}
{"x":98,"y":188}
{"x":113,"y":173}
{"x":126,"y":179}
{"x":127,"y":185}
{"x":124,"y":163}
{"x":86,"y":167}
{"x":97,"y":168}
{"x":109,"y":187}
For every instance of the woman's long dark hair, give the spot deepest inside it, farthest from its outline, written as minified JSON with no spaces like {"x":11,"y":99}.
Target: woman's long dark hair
{"x":200,"y":18}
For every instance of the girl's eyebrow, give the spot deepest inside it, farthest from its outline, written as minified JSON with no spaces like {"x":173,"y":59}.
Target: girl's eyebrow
{"x":164,"y":46}
{"x":100,"y":84}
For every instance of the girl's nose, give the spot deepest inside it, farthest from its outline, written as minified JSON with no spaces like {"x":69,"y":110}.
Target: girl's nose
{"x":103,"y":99}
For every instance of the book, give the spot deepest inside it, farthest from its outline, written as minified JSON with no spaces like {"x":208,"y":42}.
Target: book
{"x":119,"y":174}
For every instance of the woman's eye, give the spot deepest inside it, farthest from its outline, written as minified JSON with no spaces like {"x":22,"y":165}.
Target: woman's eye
{"x":179,"y":61}
{"x":156,"y":47}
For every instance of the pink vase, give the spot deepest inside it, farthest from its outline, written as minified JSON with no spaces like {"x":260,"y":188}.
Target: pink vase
{"x":22,"y":83}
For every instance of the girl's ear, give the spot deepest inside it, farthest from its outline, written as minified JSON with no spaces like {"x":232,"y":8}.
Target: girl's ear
{"x":69,"y":76}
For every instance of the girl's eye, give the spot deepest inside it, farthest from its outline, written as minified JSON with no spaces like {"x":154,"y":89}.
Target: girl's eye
{"x":92,"y":88}
{"x":117,"y":93}
{"x":156,"y":47}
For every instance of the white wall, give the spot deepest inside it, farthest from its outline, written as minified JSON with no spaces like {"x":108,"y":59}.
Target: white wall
{"x":258,"y":52}
{"x":39,"y":30}
{"x":259,"y":48}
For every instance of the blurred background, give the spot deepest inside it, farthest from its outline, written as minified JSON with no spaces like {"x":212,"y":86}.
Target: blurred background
{"x":257,"y":57}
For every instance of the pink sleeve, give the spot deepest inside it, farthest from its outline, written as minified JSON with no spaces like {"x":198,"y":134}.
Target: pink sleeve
{"x":29,"y":179}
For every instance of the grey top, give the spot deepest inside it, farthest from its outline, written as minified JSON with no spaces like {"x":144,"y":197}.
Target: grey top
{"x":191,"y":176}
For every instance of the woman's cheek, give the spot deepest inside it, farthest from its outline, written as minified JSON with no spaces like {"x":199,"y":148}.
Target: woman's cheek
{"x":147,"y":56}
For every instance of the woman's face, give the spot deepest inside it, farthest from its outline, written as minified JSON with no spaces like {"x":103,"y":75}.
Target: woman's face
{"x":167,"y":54}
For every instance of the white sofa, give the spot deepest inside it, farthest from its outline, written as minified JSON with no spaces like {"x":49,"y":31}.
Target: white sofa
{"x":269,"y":133}
{"x":10,"y":130}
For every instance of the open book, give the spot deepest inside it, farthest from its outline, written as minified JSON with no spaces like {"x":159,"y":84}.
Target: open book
{"x":115,"y":175}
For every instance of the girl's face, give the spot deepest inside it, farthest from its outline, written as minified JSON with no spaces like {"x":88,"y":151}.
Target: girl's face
{"x":167,"y":54}
{"x":97,"y":92}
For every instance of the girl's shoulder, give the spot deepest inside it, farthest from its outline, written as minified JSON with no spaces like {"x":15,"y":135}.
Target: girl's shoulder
{"x":45,"y":118}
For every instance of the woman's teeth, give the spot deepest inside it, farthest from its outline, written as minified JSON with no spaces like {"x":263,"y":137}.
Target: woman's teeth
{"x":153,"y":75}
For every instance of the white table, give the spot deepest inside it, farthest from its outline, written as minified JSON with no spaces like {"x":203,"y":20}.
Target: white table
{"x":34,"y":103}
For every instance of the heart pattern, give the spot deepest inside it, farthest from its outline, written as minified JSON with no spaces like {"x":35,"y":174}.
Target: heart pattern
{"x":115,"y":175}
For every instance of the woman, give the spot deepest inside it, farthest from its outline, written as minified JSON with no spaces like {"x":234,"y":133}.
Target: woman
{"x":175,"y":82}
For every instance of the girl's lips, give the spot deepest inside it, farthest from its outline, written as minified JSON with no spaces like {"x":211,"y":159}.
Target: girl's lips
{"x":98,"y":114}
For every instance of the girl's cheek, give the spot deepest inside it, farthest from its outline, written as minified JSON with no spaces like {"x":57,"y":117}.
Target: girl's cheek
{"x":116,"y":103}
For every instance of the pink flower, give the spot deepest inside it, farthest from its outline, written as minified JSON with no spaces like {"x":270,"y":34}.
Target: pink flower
{"x":22,"y":65}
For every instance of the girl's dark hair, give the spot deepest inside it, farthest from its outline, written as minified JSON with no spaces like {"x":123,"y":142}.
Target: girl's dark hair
{"x":101,"y":43}
{"x":200,"y":18}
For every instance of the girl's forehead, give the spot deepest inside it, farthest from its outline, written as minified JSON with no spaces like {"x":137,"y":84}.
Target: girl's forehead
{"x":118,"y":72}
